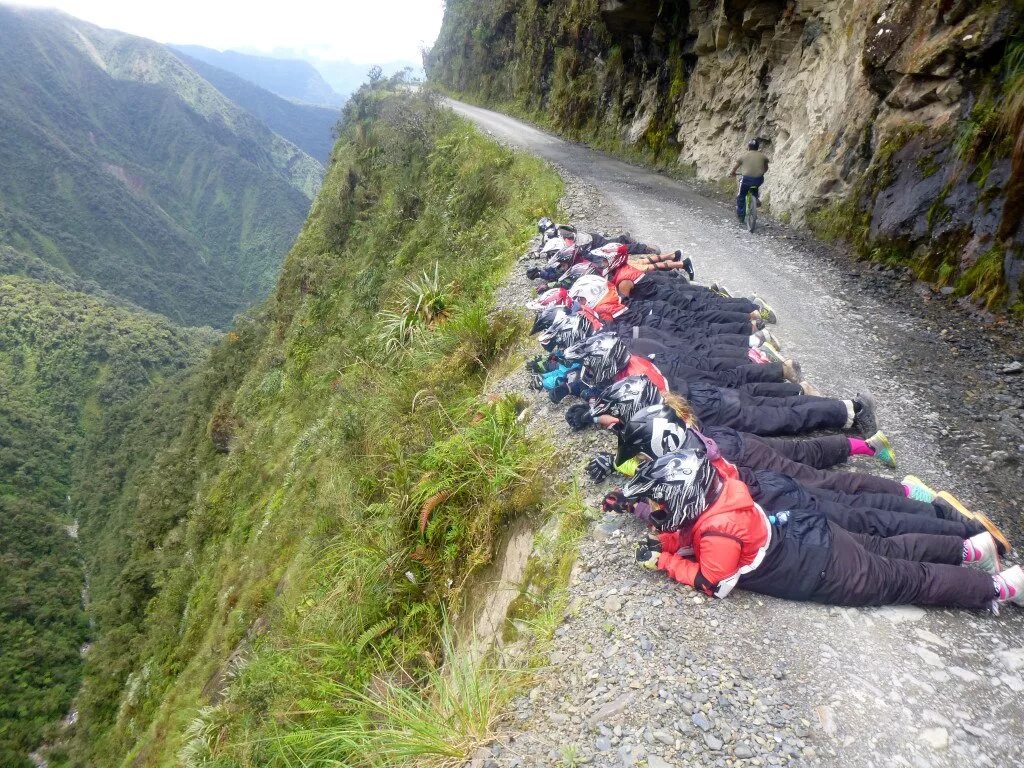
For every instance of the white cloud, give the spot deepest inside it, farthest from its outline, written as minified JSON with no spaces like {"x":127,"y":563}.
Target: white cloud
{"x":362,"y":31}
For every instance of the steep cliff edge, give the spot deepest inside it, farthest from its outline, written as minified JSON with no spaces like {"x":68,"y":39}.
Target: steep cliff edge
{"x":891,"y":124}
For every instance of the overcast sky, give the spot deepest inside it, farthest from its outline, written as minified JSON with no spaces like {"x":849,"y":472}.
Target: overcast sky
{"x":363,"y":31}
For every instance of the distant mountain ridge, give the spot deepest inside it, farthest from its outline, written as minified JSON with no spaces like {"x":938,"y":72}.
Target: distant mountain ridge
{"x":127,"y":168}
{"x":292,"y":79}
{"x":308,"y":127}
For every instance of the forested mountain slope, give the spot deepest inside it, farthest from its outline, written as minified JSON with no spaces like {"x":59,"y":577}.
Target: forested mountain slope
{"x":308,"y":127}
{"x":291,"y":79}
{"x":896,"y":125}
{"x":257,"y":541}
{"x":68,"y":363}
{"x":123,"y":166}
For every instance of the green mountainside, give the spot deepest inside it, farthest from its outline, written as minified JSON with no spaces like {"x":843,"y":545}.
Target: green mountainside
{"x":291,"y":79}
{"x":302,"y":513}
{"x":308,"y":127}
{"x":68,"y":363}
{"x":123,"y":166}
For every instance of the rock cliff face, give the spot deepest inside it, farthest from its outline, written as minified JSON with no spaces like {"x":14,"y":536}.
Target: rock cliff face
{"x":889,"y":122}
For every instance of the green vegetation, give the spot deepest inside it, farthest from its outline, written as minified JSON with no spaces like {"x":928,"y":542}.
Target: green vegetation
{"x":125,"y":168}
{"x":277,"y":546}
{"x":309,"y":128}
{"x":67,"y":362}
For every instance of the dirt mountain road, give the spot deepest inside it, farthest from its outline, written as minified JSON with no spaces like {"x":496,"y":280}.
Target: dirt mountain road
{"x":646,"y":672}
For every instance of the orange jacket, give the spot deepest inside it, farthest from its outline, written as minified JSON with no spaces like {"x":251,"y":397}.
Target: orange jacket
{"x":641,"y":366}
{"x":729,"y":539}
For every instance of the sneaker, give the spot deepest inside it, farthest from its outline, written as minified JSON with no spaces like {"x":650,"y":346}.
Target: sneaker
{"x":1010,"y":585}
{"x":721,"y":290}
{"x":980,"y":551}
{"x":791,"y":371}
{"x":772,"y":352}
{"x":883,"y":449}
{"x":767,"y":313}
{"x":918,"y":490}
{"x":864,"y":422}
{"x":768,"y":337}
{"x":980,"y":517}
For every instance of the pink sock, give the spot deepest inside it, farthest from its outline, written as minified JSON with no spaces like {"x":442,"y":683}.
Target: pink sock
{"x":907,"y":491}
{"x":859,"y":447}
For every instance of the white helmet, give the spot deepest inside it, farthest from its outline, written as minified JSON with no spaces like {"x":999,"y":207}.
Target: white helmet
{"x":590,"y":289}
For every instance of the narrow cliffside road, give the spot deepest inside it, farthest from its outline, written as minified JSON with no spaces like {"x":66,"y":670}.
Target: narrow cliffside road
{"x":645,"y":671}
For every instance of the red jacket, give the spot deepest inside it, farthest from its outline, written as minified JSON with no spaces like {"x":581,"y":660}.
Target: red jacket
{"x":625,"y":272}
{"x":641,"y":366}
{"x":729,"y":539}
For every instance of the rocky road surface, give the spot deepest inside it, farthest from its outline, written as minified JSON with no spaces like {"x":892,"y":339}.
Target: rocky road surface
{"x":646,"y":672}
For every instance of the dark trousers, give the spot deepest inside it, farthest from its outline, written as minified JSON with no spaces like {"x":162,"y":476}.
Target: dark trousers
{"x":895,"y":502}
{"x":725,"y":407}
{"x":818,"y":452}
{"x":777,"y":492}
{"x":746,"y":183}
{"x":696,"y":359}
{"x":710,"y":316}
{"x":914,"y":569}
{"x":687,"y":329}
{"x":703,"y":302}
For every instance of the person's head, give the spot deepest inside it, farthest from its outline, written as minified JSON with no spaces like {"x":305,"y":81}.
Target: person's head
{"x":601,"y":356}
{"x":753,"y":144}
{"x":546,"y":317}
{"x":552,"y":246}
{"x":679,"y":487}
{"x":653,"y":432}
{"x":619,"y":401}
{"x":568,"y":231}
{"x":544,"y":224}
{"x":566,"y":331}
{"x":575,"y":272}
{"x":589,"y":289}
{"x":610,"y":257}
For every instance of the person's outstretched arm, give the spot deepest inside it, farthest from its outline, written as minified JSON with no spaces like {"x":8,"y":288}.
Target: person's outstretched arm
{"x":717,"y":560}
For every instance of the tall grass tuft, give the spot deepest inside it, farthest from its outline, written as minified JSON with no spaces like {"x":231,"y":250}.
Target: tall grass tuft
{"x":436,"y":722}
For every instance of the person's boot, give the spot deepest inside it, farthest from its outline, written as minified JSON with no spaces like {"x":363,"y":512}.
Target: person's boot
{"x":952,"y":501}
{"x":918,"y":490}
{"x":791,"y":371}
{"x":883,"y":449}
{"x":981,"y":551}
{"x":766,"y":312}
{"x":864,"y":422}
{"x":809,"y":389}
{"x":721,"y":290}
{"x":1010,"y":586}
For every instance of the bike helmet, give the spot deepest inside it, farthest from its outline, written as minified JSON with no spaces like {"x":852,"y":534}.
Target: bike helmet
{"x":610,"y":257}
{"x":589,"y":289}
{"x":546,"y":317}
{"x":567,"y":231}
{"x":602,"y":357}
{"x":566,"y":332}
{"x":625,"y":398}
{"x":568,"y":254}
{"x":544,"y":224}
{"x":584,"y":240}
{"x":654,"y":431}
{"x":552,"y":246}
{"x":753,"y":144}
{"x":576,"y":271}
{"x":549,"y":298}
{"x":684,"y":482}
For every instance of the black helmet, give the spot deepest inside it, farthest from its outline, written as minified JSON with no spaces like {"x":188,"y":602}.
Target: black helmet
{"x":625,"y":398}
{"x":684,"y":481}
{"x":544,"y":224}
{"x":568,"y":231}
{"x":546,"y":317}
{"x":654,"y":431}
{"x":602,"y":356}
{"x":753,"y":144}
{"x":566,"y":331}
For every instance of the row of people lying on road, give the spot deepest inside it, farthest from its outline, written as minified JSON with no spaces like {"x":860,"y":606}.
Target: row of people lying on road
{"x":720,"y":441}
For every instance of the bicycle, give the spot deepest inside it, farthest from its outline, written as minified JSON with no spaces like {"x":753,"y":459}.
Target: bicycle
{"x":751,"y":204}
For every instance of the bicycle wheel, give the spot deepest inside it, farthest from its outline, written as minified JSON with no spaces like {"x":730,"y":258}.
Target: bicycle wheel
{"x":751,"y":211}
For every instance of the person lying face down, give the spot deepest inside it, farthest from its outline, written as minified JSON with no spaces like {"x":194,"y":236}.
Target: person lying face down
{"x":605,"y":360}
{"x":713,"y":537}
{"x":657,"y":430}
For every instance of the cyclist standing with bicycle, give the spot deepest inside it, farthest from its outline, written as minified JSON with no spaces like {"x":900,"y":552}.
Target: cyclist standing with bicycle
{"x":752,"y":167}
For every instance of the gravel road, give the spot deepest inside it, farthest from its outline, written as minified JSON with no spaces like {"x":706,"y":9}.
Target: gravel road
{"x":646,"y":672}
